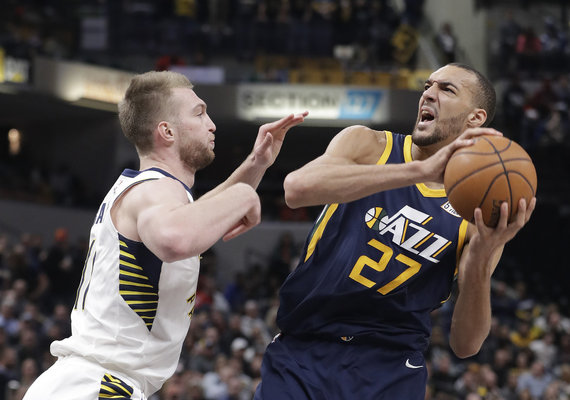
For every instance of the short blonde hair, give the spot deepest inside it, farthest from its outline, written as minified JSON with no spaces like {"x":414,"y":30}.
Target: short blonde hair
{"x":148,"y":101}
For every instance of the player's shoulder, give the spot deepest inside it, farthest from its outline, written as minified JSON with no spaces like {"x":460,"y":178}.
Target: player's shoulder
{"x":363,"y":132}
{"x":160,"y":189}
{"x":361,"y":143}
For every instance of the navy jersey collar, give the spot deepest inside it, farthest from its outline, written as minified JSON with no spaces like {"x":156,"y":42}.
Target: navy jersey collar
{"x":131,"y":173}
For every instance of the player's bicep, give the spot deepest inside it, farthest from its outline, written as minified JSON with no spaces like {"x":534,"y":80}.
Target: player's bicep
{"x":152,"y":209}
{"x":353,"y":145}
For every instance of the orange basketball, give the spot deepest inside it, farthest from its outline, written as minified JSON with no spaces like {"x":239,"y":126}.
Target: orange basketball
{"x":491,"y":171}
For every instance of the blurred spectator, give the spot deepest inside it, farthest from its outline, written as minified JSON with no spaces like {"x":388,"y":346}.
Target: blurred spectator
{"x":513,"y":103}
{"x":383,"y":22}
{"x":524,"y":334}
{"x":509,"y":31}
{"x":282,"y":260}
{"x":443,"y":375}
{"x":553,"y":391}
{"x":413,"y":12}
{"x":489,"y":386}
{"x":535,"y":381}
{"x":321,"y":26}
{"x":63,"y":269}
{"x":564,"y":376}
{"x":563,"y":355}
{"x":300,"y":17}
{"x":509,"y":389}
{"x":552,"y":44}
{"x":215,"y":382}
{"x":235,"y":292}
{"x":8,"y":370}
{"x":174,"y":388}
{"x":271,"y":316}
{"x":166,"y":61}
{"x":253,"y":327}
{"x":246,"y":12}
{"x":501,"y":364}
{"x":469,"y":381}
{"x":8,"y":319}
{"x":528,"y":52}
{"x":538,"y":111}
{"x":544,"y":349}
{"x":206,"y":351}
{"x":447,"y":42}
{"x":28,"y":374}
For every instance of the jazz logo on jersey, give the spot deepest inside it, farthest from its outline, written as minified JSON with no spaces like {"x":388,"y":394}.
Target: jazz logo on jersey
{"x":408,"y":231}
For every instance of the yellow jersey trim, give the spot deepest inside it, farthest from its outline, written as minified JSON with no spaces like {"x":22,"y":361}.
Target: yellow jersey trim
{"x":387,"y":149}
{"x":319,"y":232}
{"x":461,"y":241}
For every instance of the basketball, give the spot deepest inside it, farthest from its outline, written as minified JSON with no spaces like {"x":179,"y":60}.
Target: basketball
{"x":491,"y":171}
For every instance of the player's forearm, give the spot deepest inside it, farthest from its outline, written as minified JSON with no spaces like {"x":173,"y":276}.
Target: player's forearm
{"x":191,"y":229}
{"x":326,"y":184}
{"x":248,"y":172}
{"x":471,"y":319}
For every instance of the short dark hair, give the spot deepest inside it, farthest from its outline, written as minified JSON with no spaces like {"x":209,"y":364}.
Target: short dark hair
{"x":486,"y":97}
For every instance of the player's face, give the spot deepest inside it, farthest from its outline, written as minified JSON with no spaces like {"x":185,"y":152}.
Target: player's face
{"x":195,"y":128}
{"x":445,"y":105}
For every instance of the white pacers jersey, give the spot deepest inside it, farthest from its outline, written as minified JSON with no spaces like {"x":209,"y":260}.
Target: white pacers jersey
{"x":132,"y":311}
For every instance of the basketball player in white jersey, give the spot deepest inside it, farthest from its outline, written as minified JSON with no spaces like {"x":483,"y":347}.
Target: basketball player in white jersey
{"x":136,"y":297}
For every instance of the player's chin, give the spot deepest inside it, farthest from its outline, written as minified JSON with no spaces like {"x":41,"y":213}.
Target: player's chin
{"x":421,"y":134}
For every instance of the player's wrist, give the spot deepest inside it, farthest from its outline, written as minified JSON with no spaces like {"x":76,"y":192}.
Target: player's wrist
{"x":417,"y":172}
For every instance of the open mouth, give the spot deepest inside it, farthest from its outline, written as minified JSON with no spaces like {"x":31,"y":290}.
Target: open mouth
{"x":426,"y":116}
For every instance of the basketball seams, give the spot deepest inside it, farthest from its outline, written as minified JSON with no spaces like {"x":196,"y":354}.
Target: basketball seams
{"x":506,"y":176}
{"x":525,"y":179}
{"x":489,"y":189}
{"x":508,"y":143}
{"x":469,"y":176}
{"x":494,"y":149}
{"x":485,"y":167}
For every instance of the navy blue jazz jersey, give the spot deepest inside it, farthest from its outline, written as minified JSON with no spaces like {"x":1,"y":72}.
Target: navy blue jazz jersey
{"x":375,"y":268}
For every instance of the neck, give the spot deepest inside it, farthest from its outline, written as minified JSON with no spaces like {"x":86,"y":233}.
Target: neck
{"x":181,"y":173}
{"x":422,"y":152}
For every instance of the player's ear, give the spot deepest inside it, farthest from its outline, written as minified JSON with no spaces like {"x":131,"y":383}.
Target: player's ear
{"x":477,"y":118}
{"x":165,"y":131}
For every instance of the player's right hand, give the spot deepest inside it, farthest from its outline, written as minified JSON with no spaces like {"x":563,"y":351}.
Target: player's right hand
{"x":435,"y":165}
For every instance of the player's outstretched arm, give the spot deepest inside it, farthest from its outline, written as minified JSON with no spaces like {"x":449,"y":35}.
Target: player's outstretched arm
{"x":347,"y":171}
{"x":266,"y":148}
{"x":471,"y":319}
{"x":158,"y":214}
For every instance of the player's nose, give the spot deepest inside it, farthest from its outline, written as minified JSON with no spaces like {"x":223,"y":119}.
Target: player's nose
{"x":211,"y":125}
{"x":429,"y":93}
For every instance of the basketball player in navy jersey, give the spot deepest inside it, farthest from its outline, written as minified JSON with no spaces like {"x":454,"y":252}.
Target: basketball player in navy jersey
{"x":355,"y":313}
{"x":138,"y":289}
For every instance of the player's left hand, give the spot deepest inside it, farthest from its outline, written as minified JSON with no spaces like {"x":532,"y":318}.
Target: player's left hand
{"x":270,"y":138}
{"x":504,"y":231}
